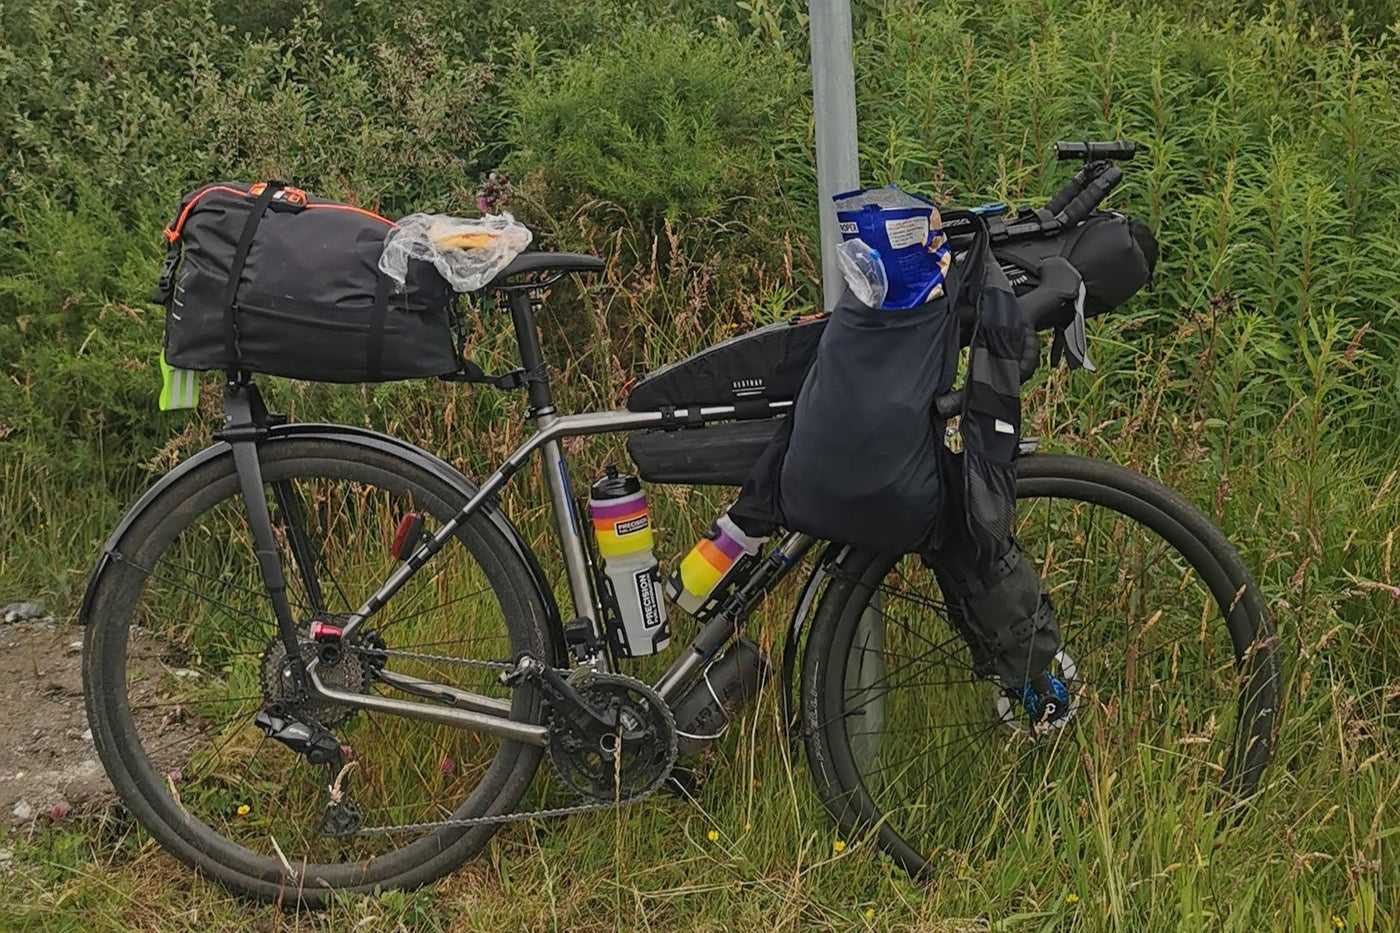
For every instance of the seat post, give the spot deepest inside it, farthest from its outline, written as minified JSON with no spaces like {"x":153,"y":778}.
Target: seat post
{"x":522,"y":314}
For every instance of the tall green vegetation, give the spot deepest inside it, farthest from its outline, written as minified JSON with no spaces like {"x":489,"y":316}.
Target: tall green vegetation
{"x":1261,"y":375}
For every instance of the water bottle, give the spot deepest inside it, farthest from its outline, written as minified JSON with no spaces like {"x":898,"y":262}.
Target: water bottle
{"x":618,"y":508}
{"x":719,"y":560}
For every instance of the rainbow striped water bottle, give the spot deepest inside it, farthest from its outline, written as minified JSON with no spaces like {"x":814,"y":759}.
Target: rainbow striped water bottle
{"x":618,"y":508}
{"x":719,"y":560}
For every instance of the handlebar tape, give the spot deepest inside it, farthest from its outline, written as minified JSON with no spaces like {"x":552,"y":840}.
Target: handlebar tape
{"x":1091,"y":197}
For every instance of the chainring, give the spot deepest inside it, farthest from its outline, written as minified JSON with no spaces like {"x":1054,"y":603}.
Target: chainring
{"x":617,"y":769}
{"x":343,"y":667}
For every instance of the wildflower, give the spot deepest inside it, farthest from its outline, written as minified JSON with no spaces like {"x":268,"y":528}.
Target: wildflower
{"x":870,"y":913}
{"x":448,"y":765}
{"x":175,"y":776}
{"x":1338,"y":922}
{"x":713,"y":835}
{"x":58,"y":811}
{"x":244,"y":809}
{"x":748,"y":826}
{"x":1071,"y":899}
{"x":838,"y":846}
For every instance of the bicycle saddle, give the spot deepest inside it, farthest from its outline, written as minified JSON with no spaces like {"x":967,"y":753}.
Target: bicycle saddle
{"x":560,"y":263}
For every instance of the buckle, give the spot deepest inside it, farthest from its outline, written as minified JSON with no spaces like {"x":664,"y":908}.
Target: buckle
{"x":166,"y":284}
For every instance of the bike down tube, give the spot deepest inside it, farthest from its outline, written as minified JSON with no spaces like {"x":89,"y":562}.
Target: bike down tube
{"x":729,"y":620}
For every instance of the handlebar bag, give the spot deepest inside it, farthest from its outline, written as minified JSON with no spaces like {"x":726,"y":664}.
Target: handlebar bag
{"x":1114,"y":253}
{"x":264,"y":279}
{"x":763,"y":365}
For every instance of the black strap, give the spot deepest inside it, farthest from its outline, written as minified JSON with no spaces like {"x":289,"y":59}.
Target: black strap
{"x":374,"y":353}
{"x":235,"y":272}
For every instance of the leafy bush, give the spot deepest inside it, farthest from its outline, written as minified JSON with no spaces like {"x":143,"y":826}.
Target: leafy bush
{"x":668,"y":125}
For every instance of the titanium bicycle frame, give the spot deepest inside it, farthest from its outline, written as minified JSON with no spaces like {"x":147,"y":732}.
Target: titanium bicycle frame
{"x":461,"y":708}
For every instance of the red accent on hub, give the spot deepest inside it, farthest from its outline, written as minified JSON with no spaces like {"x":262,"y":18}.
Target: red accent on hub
{"x":320,"y":631}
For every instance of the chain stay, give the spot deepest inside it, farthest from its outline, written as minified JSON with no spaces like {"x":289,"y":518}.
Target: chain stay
{"x":498,"y":819}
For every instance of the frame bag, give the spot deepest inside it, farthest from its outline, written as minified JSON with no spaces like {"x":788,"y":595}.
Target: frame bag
{"x":263,"y":279}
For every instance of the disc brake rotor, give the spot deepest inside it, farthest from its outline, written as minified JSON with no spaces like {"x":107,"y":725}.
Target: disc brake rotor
{"x":1012,"y":715}
{"x":629,"y":762}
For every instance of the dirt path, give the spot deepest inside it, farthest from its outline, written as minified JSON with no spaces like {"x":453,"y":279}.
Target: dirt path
{"x":48,"y":766}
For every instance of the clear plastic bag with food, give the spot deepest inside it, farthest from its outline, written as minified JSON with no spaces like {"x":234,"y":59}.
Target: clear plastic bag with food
{"x":468,"y":251}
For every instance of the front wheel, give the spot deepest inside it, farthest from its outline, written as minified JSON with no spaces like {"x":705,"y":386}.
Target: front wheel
{"x":1166,"y":649}
{"x":181,"y":653}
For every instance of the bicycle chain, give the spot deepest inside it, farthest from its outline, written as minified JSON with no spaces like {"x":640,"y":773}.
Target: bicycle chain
{"x":499,"y":819}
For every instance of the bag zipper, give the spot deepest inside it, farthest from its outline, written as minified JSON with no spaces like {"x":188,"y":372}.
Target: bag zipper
{"x":296,"y":195}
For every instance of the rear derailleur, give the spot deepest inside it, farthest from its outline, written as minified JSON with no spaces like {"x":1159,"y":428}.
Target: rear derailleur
{"x":319,"y":746}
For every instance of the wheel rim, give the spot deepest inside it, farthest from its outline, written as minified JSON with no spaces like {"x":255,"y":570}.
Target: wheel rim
{"x":199,"y":627}
{"x":1155,"y":691}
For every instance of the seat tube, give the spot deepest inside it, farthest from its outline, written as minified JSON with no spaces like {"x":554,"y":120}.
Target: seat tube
{"x":556,"y":471}
{"x":566,"y":520}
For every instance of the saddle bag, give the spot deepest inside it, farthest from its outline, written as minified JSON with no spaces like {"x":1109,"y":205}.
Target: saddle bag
{"x":265,"y":279}
{"x":1113,"y":253}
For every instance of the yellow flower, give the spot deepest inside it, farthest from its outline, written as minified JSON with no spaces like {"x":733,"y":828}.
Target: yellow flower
{"x":870,"y":913}
{"x":748,"y":826}
{"x":244,"y":809}
{"x":838,"y":846}
{"x":1338,"y":922}
{"x":1071,"y":899}
{"x":713,"y":835}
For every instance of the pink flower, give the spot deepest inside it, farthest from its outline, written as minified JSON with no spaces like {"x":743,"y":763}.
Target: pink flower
{"x":448,"y":765}
{"x":58,"y":811}
{"x":175,"y":776}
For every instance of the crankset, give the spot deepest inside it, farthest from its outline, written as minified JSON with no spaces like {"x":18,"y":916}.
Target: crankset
{"x":612,"y":738}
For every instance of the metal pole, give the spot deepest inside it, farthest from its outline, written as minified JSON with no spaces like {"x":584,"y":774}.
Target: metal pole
{"x":834,"y":117}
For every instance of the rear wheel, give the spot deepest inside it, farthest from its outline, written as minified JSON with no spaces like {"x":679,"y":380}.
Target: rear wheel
{"x":1167,"y":653}
{"x":181,"y":653}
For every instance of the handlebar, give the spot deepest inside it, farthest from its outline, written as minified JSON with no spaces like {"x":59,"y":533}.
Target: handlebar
{"x":1082,"y":204}
{"x":1118,"y":150}
{"x":1070,"y":206}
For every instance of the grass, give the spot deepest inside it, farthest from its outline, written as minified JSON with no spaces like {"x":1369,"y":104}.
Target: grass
{"x":1259,"y":379}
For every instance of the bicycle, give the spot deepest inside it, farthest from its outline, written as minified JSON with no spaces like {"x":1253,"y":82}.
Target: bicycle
{"x":288,"y":735}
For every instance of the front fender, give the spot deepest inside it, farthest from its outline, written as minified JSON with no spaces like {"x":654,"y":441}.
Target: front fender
{"x":370,"y":440}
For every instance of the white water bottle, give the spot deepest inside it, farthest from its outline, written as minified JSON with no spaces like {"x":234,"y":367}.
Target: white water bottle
{"x":622,"y":526}
{"x":717,"y":562}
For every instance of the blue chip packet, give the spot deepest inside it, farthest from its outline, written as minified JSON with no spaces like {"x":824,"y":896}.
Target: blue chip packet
{"x":907,"y":232}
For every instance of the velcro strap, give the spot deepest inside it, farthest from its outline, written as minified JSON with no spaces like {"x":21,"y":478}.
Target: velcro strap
{"x":235,"y":272}
{"x":1017,"y":634}
{"x":374,"y":352}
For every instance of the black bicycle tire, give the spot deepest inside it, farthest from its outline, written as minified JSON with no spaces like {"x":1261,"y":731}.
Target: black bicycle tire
{"x":427,"y":858}
{"x":830,"y":760}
